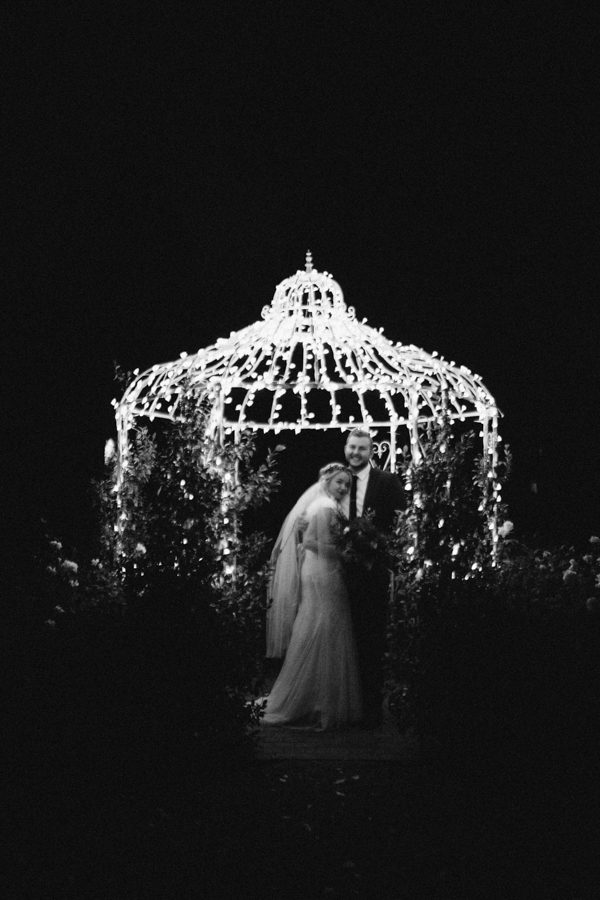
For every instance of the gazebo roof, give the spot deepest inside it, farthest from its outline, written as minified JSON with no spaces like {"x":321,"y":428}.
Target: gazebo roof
{"x":309,"y":363}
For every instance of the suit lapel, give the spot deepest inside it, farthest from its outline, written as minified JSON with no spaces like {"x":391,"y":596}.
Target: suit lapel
{"x":371,"y":493}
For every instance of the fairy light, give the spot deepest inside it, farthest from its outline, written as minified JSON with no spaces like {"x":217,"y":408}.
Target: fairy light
{"x":308,"y":341}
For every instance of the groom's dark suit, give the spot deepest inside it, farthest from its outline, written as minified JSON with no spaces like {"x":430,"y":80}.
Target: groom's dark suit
{"x":384,"y":496}
{"x":369,"y":591}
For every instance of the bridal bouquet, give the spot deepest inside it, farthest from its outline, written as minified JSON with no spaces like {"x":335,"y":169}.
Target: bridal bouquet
{"x":361,"y":544}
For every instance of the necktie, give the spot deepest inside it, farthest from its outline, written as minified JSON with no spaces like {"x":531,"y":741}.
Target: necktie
{"x":353,"y":497}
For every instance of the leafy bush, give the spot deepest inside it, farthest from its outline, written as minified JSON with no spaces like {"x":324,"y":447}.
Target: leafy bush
{"x":442,"y":539}
{"x":130,"y":673}
{"x":182,"y":510}
{"x":487,"y":649}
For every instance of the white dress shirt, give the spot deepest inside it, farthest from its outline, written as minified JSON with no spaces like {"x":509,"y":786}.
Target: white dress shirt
{"x":361,"y":490}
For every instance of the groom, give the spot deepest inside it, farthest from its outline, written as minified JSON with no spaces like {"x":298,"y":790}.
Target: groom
{"x":381,"y":493}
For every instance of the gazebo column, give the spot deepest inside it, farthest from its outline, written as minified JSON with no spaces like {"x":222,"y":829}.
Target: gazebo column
{"x":123,"y":426}
{"x":490,"y":490}
{"x":393,"y":428}
{"x":413,"y":428}
{"x":220,"y":405}
{"x":124,"y":423}
{"x":416,"y":456}
{"x":229,"y":478}
{"x":493,"y":462}
{"x":232,"y":511}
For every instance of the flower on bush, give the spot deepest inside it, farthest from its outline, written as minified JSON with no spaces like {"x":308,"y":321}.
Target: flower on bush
{"x":54,"y":577}
{"x":506,"y":528}
{"x":110,"y":451}
{"x":570,"y":575}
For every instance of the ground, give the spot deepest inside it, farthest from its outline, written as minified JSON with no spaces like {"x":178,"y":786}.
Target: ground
{"x":389,"y":830}
{"x":307,"y":829}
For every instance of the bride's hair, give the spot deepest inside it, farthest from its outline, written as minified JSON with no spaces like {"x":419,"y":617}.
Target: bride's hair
{"x":331,"y":469}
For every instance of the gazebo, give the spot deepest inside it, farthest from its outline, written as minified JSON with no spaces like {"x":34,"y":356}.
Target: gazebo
{"x":310,"y":364}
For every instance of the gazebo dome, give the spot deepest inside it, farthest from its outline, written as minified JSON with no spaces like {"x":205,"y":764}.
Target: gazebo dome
{"x":309,"y":363}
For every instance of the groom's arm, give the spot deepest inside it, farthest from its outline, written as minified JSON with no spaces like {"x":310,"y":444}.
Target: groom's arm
{"x":393,"y":496}
{"x":397,"y":494}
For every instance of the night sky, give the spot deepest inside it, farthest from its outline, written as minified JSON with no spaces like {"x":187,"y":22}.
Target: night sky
{"x":173,"y":163}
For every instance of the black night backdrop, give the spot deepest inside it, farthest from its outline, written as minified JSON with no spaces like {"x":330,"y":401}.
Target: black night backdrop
{"x":173,"y":162}
{"x":171,"y":169}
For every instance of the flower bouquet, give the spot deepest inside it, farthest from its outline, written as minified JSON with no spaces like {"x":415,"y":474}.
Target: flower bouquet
{"x":361,"y":544}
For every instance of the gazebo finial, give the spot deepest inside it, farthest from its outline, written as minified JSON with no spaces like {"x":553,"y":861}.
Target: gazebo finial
{"x":308,"y":264}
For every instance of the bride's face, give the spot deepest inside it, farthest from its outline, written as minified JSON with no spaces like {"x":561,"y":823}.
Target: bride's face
{"x":338,"y":486}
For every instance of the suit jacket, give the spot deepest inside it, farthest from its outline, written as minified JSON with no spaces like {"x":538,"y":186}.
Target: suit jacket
{"x":384,"y":496}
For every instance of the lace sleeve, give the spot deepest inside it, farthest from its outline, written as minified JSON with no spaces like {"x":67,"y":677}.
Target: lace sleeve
{"x":324,"y":532}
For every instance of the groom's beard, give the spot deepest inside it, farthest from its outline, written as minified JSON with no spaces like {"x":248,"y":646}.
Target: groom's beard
{"x":356,"y":468}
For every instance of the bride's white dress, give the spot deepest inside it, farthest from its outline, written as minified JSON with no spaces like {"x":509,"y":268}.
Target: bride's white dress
{"x":318,"y":685}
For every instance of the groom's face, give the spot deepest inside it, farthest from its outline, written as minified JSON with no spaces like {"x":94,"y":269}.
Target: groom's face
{"x":358,"y":452}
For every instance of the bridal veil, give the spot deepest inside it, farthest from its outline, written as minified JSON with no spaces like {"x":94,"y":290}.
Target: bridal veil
{"x":284,"y":586}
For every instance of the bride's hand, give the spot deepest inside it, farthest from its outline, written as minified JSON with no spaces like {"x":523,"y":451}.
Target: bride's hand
{"x":301,"y":525}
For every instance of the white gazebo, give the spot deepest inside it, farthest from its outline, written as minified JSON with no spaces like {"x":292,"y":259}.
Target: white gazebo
{"x":310,"y":364}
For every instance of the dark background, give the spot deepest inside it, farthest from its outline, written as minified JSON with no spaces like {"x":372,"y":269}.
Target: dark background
{"x":173,"y":163}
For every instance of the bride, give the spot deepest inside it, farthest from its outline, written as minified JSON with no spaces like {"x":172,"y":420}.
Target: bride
{"x":309,"y":617}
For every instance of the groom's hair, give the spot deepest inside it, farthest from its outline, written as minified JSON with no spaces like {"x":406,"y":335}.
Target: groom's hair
{"x":360,"y":433}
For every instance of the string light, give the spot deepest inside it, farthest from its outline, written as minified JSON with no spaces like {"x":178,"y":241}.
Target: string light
{"x":308,"y":341}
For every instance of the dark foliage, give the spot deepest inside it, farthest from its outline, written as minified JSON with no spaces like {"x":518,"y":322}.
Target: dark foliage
{"x":506,"y":686}
{"x":129,"y":726}
{"x":123,"y":739}
{"x":492,"y":650}
{"x":182,"y":512}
